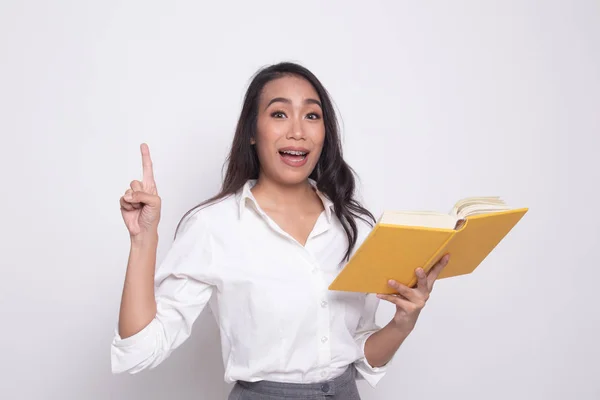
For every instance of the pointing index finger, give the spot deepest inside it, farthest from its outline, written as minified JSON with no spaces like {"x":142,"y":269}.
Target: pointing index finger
{"x":148,"y":173}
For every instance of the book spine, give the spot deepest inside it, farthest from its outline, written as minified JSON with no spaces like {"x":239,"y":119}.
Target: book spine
{"x":434,"y":258}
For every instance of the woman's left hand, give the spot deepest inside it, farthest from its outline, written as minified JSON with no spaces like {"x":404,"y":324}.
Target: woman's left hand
{"x":410,"y":301}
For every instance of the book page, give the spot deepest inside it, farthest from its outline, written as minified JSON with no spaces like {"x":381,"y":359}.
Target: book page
{"x":427,"y":219}
{"x":478,"y":205}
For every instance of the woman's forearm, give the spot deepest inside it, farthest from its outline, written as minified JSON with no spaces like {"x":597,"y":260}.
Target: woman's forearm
{"x":138,"y":305}
{"x":383,"y":344}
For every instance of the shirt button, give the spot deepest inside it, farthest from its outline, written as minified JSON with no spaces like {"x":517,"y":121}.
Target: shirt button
{"x":323,"y":304}
{"x":325,"y":387}
{"x":324,"y":339}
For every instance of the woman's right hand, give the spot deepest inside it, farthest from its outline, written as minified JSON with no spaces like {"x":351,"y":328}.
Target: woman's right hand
{"x":140,"y":205}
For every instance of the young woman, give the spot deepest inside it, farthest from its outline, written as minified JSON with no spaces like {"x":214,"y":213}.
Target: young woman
{"x":262,"y":253}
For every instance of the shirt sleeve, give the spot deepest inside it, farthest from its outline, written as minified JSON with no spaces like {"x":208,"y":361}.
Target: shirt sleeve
{"x":366,"y":324}
{"x":181,"y":291}
{"x":367,"y":327}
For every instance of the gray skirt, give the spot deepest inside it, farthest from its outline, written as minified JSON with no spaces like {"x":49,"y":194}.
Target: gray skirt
{"x":342,"y":387}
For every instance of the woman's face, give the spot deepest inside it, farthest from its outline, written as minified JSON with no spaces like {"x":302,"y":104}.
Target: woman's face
{"x":290,"y":130}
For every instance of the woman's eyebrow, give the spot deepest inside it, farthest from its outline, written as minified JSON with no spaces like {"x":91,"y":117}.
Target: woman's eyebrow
{"x":288,"y":101}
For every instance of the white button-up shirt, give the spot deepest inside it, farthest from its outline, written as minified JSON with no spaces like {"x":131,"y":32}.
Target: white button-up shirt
{"x":277,"y":319}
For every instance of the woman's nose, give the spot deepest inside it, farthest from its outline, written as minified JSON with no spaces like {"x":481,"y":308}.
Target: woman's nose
{"x":296,"y":131}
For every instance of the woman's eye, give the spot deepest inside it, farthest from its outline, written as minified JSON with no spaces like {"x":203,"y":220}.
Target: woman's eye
{"x":313,"y":116}
{"x":278,"y":114}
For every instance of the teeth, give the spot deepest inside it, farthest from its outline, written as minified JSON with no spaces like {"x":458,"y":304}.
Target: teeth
{"x":294,"y":152}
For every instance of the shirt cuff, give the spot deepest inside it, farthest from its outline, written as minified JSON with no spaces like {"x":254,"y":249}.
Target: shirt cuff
{"x":135,"y":352}
{"x":366,"y":371}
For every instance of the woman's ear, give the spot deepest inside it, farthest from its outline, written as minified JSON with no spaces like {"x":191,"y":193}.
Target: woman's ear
{"x":252,"y":141}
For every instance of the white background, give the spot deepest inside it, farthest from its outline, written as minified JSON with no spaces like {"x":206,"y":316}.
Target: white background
{"x":440,"y":100}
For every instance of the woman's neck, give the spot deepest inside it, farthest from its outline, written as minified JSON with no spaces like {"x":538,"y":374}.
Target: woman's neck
{"x":276,"y":196}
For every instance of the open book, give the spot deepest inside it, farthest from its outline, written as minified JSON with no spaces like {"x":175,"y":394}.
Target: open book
{"x":401,"y":242}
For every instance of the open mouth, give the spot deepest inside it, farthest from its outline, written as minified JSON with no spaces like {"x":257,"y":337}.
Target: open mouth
{"x":294,"y":156}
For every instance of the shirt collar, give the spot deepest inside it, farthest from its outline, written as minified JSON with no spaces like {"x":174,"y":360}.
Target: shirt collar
{"x":245,"y":196}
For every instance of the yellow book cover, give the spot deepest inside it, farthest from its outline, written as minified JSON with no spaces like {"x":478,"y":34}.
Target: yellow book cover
{"x":400,"y":242}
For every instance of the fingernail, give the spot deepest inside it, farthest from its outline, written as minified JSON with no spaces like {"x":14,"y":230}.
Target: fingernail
{"x":128,"y":196}
{"x":391,"y":282}
{"x":420,"y":272}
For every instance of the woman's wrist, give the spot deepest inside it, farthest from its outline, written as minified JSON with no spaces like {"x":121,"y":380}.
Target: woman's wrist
{"x":144,"y":240}
{"x":401,"y":328}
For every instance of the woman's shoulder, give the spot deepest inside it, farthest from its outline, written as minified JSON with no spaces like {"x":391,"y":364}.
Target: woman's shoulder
{"x":212,"y":214}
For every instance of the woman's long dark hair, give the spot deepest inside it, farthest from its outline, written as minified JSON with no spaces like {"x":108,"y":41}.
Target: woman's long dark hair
{"x":333,"y":176}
